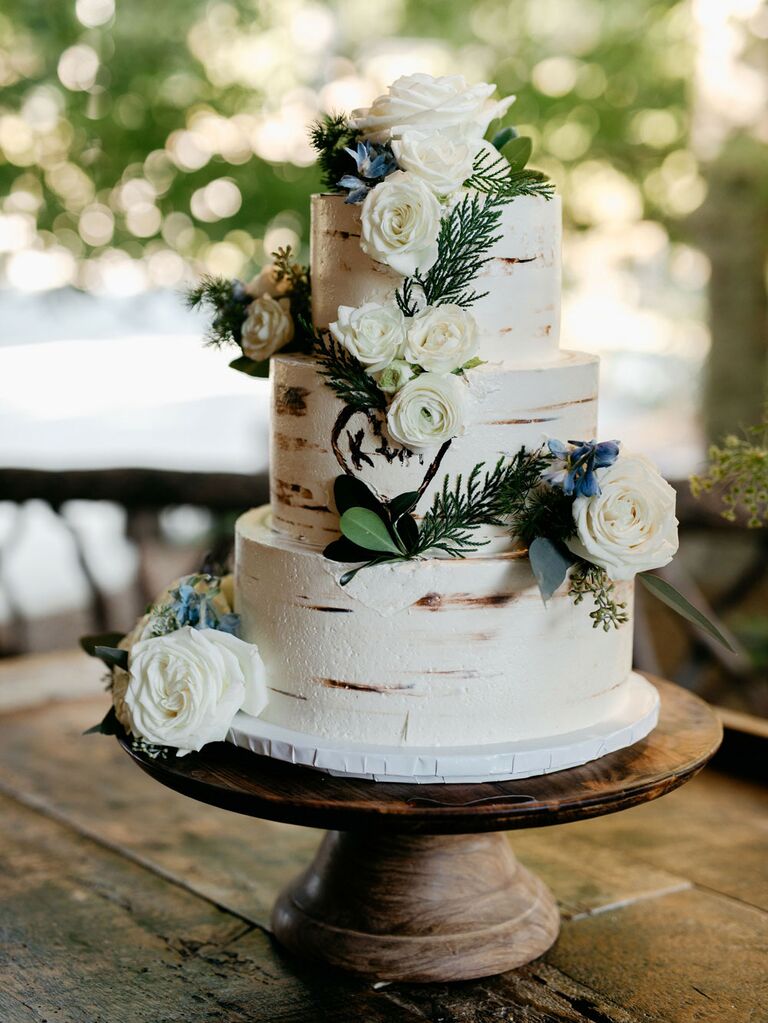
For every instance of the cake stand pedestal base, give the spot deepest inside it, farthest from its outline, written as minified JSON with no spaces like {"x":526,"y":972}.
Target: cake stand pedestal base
{"x":415,"y":881}
{"x":417,"y":907}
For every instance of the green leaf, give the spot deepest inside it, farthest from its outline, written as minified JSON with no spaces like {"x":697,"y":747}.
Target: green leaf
{"x":250,"y":366}
{"x":403,"y":503}
{"x":668,"y":595}
{"x":549,"y":565}
{"x":408,"y":532}
{"x":346,"y":551}
{"x":471,"y":364}
{"x":366,"y":529}
{"x":110,"y":639}
{"x":349,"y":576}
{"x":109,"y":725}
{"x":518,"y":152}
{"x":112,"y":657}
{"x":503,"y":136}
{"x":351,"y":492}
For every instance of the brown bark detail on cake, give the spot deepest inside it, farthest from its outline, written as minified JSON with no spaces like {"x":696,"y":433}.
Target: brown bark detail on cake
{"x":290,"y":401}
{"x":284,"y":442}
{"x":330,"y":610}
{"x":289,"y":492}
{"x":283,"y":692}
{"x":520,"y":422}
{"x":277,"y":517}
{"x":343,"y":234}
{"x":360,"y":687}
{"x":442,"y":602}
{"x":514,"y":259}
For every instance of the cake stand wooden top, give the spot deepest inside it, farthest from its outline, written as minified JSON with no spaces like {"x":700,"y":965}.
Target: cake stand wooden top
{"x":687,"y":735}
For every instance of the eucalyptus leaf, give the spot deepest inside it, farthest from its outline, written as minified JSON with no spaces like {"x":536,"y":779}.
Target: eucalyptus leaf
{"x":518,"y":152}
{"x":111,"y":656}
{"x":110,"y":639}
{"x":251,"y":367}
{"x":366,"y":529}
{"x":503,"y":136}
{"x":346,"y":551}
{"x":549,"y":564}
{"x":109,"y":725}
{"x":351,"y":492}
{"x":408,"y":532}
{"x":673,"y":598}
{"x":403,"y":503}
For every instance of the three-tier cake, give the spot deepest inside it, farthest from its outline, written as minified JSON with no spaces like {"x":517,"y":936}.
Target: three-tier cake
{"x":442,"y":584}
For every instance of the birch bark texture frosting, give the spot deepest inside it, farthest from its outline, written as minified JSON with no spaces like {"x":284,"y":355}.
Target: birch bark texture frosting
{"x":433,"y":652}
{"x":518,"y":320}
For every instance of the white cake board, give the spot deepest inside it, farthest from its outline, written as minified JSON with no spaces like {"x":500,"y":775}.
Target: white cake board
{"x":503,"y":761}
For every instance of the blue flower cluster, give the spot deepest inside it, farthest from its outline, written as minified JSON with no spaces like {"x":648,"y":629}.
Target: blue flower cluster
{"x":574,"y":464}
{"x":374,"y":162}
{"x":193,"y":603}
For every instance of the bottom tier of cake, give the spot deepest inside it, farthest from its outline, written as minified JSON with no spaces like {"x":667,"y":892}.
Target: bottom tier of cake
{"x":435,"y":652}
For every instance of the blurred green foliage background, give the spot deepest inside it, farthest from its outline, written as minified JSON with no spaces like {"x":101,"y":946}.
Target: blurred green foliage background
{"x":142,"y":143}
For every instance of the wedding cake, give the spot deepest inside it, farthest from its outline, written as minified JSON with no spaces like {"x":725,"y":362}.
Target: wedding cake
{"x":448,"y":558}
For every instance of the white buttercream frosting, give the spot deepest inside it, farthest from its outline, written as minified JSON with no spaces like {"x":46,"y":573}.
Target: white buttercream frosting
{"x":433,"y":652}
{"x":519,"y":317}
{"x":506,"y":408}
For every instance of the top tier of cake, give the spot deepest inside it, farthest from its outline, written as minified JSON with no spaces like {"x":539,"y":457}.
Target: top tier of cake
{"x":518,"y":318}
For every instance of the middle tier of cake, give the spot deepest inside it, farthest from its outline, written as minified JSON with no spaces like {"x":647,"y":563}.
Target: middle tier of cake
{"x":314,"y":439}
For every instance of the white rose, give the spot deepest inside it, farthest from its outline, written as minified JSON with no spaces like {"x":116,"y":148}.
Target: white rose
{"x":421,"y":101}
{"x":428,"y":410}
{"x":442,"y":161}
{"x":267,"y":328}
{"x":400,"y":222}
{"x":630,"y":526}
{"x":394,"y":376}
{"x":266,"y":283}
{"x":373,"y":333}
{"x":441,"y":338}
{"x":185,"y":688}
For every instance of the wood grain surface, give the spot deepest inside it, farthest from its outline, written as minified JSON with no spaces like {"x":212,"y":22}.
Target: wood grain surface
{"x":686,"y":737}
{"x":121,"y":900}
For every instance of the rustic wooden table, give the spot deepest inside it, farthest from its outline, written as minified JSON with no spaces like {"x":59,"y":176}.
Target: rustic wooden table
{"x":123,"y":901}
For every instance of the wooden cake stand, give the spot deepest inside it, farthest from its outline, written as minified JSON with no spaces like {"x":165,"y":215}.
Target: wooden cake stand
{"x":415,"y":882}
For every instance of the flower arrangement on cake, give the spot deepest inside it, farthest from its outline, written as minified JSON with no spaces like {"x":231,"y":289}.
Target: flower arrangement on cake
{"x":446,"y":356}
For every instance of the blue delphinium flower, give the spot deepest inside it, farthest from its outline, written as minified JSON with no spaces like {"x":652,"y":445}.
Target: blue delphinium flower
{"x":193,"y":603}
{"x":574,"y":464}
{"x":374,"y":162}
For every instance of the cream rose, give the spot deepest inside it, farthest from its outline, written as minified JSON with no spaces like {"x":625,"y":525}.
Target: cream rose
{"x":421,"y":101}
{"x":441,"y":338}
{"x":630,"y":526}
{"x":400,"y":222}
{"x":427,"y":411}
{"x":266,"y":283}
{"x":396,"y":375}
{"x":442,"y":161}
{"x":373,"y":333}
{"x":267,"y":328}
{"x":185,"y":688}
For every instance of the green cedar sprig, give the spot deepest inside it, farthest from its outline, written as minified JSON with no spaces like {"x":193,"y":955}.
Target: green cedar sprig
{"x":219,"y":296}
{"x":329,"y":137}
{"x":496,"y":175}
{"x":346,"y":375}
{"x":466,"y":236}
